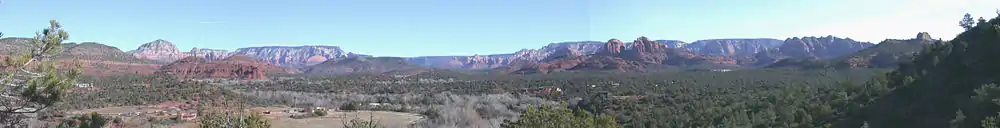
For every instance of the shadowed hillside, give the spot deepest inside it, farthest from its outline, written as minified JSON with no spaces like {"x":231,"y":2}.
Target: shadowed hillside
{"x":949,"y":84}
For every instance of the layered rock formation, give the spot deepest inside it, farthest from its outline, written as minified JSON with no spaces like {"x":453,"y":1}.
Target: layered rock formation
{"x":821,"y":47}
{"x":613,"y":47}
{"x":295,"y":56}
{"x":160,"y":50}
{"x":643,"y":45}
{"x":233,"y":67}
{"x":733,"y":47}
{"x":210,"y":54}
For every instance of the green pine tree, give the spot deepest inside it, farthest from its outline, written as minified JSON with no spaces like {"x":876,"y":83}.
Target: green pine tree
{"x":967,"y":22}
{"x":32,"y":84}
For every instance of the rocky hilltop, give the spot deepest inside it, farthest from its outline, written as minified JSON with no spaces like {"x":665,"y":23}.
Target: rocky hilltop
{"x":733,"y":47}
{"x":295,"y":56}
{"x":160,"y":50}
{"x":233,"y":67}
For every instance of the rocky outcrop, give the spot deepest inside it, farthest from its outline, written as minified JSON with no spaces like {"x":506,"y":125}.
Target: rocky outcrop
{"x":613,"y":47}
{"x":210,"y":54}
{"x":923,"y":36}
{"x":821,"y":47}
{"x":643,"y":45}
{"x":295,"y":56}
{"x":160,"y":50}
{"x":733,"y":47}
{"x":233,"y":67}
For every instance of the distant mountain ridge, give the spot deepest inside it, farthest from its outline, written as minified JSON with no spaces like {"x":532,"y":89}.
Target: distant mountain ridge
{"x":886,"y":54}
{"x":289,"y":56}
{"x":638,"y":56}
{"x":734,"y":52}
{"x":296,"y":56}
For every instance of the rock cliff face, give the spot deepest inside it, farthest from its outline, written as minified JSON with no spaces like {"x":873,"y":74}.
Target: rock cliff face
{"x":160,"y":50}
{"x":613,"y":47}
{"x":821,"y":47}
{"x":233,"y":67}
{"x":296,"y":56}
{"x":733,"y":47}
{"x":210,"y":54}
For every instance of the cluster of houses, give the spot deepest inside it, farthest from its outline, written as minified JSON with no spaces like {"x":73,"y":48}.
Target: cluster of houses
{"x":541,"y":90}
{"x":296,"y":111}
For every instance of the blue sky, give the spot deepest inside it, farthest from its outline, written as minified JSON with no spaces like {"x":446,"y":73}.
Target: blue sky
{"x":467,"y":27}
